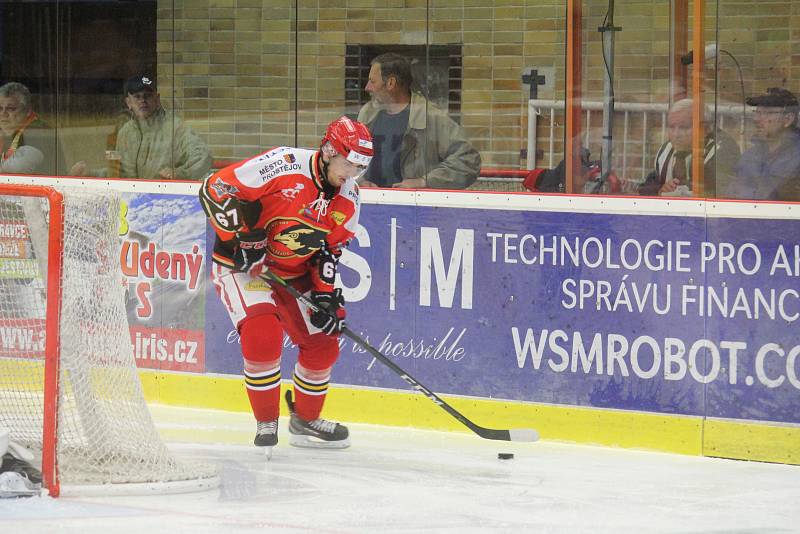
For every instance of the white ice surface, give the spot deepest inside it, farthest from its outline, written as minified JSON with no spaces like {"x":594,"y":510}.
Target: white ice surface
{"x":410,"y":481}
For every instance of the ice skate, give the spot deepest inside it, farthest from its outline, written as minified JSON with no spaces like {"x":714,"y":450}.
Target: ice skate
{"x":14,"y":484}
{"x":316,"y":434}
{"x":18,"y":478}
{"x":266,"y":436}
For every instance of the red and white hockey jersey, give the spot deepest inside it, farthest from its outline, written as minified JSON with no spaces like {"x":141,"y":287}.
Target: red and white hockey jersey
{"x":283,"y":192}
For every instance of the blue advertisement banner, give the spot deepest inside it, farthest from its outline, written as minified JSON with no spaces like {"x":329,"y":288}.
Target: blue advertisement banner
{"x":667,"y":314}
{"x":674,"y":307}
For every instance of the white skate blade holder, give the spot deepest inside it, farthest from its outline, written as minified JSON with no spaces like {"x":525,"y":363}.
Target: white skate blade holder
{"x":13,"y":484}
{"x":310,"y":442}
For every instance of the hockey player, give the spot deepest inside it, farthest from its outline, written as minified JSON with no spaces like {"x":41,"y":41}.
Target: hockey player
{"x":289,"y":210}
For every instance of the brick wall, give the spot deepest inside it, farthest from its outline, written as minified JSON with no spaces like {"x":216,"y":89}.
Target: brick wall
{"x":232,"y":69}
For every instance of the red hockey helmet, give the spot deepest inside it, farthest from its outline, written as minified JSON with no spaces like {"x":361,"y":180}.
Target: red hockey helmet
{"x":351,"y":139}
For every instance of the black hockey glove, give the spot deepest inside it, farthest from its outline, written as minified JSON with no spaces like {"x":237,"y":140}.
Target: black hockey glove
{"x":325,"y":262}
{"x":249,"y":255}
{"x":330,"y":317}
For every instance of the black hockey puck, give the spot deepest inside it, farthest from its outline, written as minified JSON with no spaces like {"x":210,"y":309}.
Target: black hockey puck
{"x":505,"y":456}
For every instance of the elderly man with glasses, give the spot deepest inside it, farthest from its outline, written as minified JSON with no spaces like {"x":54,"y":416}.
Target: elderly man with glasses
{"x":27,"y":144}
{"x":770,"y":168}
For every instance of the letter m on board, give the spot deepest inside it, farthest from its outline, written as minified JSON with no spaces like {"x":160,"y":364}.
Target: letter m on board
{"x":447,"y":277}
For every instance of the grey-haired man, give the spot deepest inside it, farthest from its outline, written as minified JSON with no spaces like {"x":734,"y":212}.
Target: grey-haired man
{"x":770,"y":169}
{"x":27,"y":144}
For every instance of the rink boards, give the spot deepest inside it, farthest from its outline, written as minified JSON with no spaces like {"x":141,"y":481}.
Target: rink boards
{"x":658,"y":324}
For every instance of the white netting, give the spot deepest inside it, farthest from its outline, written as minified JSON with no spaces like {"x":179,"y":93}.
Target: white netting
{"x":105,"y":432}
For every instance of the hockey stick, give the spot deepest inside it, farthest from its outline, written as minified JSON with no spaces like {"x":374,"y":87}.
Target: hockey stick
{"x":514,"y":434}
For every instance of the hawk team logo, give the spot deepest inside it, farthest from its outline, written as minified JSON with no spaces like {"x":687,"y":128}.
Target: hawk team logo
{"x":223,"y":189}
{"x":293,"y":238}
{"x":289,"y":158}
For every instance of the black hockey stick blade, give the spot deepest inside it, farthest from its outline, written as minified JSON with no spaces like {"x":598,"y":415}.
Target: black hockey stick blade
{"x":516,"y":434}
{"x":521,"y":434}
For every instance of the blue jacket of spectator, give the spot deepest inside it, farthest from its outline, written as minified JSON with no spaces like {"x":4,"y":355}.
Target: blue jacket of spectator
{"x":765,"y":175}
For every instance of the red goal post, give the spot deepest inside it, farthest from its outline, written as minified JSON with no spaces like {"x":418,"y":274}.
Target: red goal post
{"x":69,"y":387}
{"x":55,"y":202}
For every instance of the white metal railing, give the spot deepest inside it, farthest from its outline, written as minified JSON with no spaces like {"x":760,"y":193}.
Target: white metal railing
{"x":629,"y":136}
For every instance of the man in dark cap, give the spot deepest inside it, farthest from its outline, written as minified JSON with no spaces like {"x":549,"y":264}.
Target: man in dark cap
{"x":770,"y":169}
{"x":153,"y":144}
{"x":141,"y":97}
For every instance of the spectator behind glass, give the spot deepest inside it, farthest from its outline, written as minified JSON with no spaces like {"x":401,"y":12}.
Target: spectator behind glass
{"x":770,"y":168}
{"x":553,"y":180}
{"x":28,"y":145}
{"x":592,"y":179}
{"x":416,"y":144}
{"x":153,"y":144}
{"x":672,"y":175}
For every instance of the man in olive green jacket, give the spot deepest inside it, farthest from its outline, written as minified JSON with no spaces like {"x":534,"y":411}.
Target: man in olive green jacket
{"x":417,"y":145}
{"x":153,"y":144}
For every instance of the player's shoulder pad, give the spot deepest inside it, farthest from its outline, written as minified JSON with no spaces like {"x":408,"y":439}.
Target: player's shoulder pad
{"x":279,"y":161}
{"x":350,"y":191}
{"x":217,"y":190}
{"x":345,"y":207}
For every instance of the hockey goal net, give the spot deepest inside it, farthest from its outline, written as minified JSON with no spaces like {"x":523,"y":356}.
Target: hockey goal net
{"x":69,"y":387}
